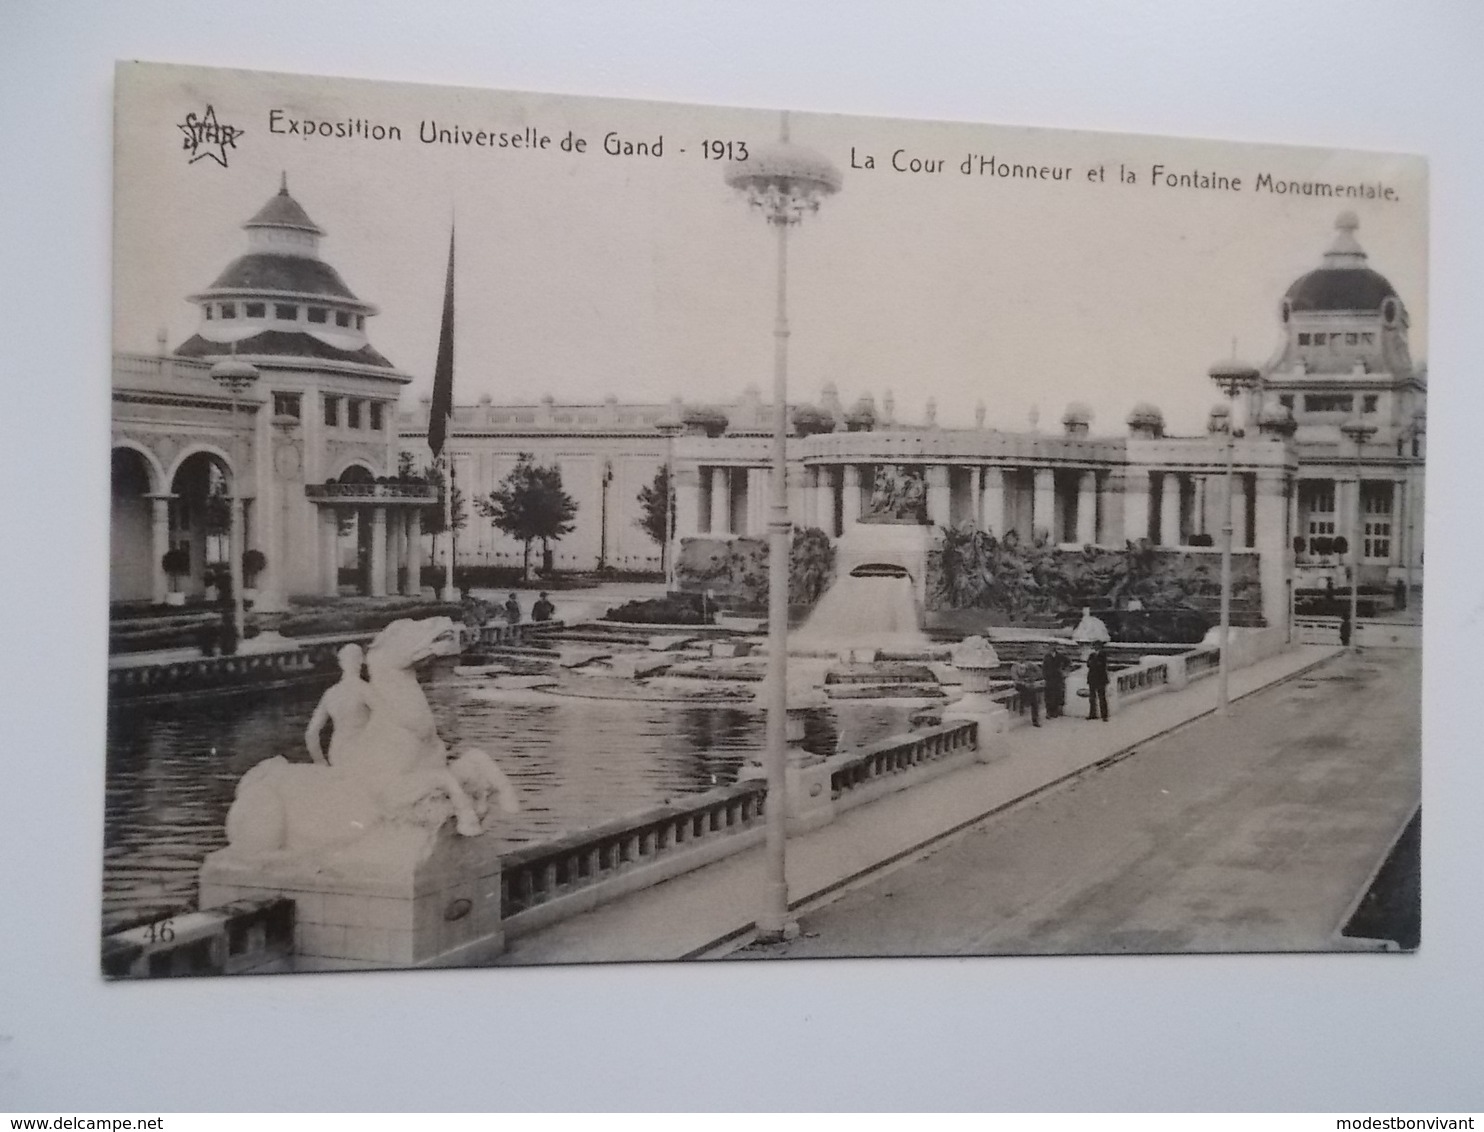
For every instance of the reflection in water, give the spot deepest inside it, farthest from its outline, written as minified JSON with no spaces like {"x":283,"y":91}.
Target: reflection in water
{"x":172,"y":770}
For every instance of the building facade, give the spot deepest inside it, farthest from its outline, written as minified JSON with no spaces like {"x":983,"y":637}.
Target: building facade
{"x":1333,"y":445}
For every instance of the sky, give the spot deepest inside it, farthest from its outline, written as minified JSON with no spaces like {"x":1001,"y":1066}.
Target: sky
{"x":584,"y":275}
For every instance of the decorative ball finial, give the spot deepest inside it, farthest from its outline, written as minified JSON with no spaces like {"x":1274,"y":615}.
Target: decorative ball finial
{"x":979,"y":410}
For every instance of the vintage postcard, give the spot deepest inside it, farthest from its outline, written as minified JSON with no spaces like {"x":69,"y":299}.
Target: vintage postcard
{"x":554,"y":530}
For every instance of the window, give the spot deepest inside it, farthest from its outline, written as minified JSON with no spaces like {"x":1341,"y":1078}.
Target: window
{"x":1286,"y":400}
{"x":229,"y":310}
{"x":377,"y":413}
{"x":1375,"y":503}
{"x":288,"y":312}
{"x":1352,"y":339}
{"x":342,"y":318}
{"x":1368,"y":403}
{"x":1321,"y":515}
{"x":1328,"y":402}
{"x":360,"y":322}
{"x":255,"y":310}
{"x":1368,"y":338}
{"x":1303,"y":339}
{"x":207,"y":309}
{"x":332,"y":411}
{"x":352,"y":414}
{"x":317,"y":314}
{"x":286,"y":405}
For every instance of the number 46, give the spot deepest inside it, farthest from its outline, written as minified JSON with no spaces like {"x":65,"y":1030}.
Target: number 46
{"x":162,"y":931}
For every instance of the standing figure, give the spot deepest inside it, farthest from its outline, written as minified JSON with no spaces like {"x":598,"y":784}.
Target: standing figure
{"x":543,"y":609}
{"x":512,"y":610}
{"x":1054,"y":672}
{"x":346,"y":705}
{"x":1028,"y":685}
{"x":1097,"y":682}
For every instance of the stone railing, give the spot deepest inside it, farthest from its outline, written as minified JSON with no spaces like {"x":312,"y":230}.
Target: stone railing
{"x":372,"y":492}
{"x":229,"y":939}
{"x":499,"y":634}
{"x":545,"y":882}
{"x":896,"y":755}
{"x":221,"y":673}
{"x":1202,"y":661}
{"x":1316,"y":630}
{"x":1142,"y":677}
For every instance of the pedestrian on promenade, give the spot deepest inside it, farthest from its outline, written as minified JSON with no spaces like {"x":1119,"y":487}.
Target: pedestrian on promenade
{"x":1054,"y":673}
{"x":1097,"y":682}
{"x":346,"y":705}
{"x":512,"y":610}
{"x":1028,"y":686}
{"x":543,"y":609}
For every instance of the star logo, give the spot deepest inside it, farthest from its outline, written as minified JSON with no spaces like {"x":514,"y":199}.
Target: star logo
{"x":206,"y":137}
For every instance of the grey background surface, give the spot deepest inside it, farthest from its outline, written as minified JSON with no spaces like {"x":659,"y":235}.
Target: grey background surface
{"x":1347,"y":1033}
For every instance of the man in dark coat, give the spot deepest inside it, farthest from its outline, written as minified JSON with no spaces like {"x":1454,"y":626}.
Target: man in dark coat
{"x":1054,"y":672}
{"x":1097,"y":682}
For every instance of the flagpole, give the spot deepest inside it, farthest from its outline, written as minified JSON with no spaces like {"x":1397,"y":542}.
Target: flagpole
{"x":449,"y":594}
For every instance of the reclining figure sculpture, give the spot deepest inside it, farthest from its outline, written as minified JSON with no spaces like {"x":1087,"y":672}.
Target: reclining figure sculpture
{"x":394,"y":774}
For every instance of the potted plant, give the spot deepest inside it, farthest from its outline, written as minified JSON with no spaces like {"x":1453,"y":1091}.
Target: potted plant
{"x":176,"y":562}
{"x":253,"y":563}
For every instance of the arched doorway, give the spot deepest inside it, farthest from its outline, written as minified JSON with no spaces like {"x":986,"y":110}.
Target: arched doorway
{"x":353,"y":541}
{"x":132,"y":558}
{"x":201,"y":519}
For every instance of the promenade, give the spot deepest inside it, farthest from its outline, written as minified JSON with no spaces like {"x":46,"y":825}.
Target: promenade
{"x":709,"y":911}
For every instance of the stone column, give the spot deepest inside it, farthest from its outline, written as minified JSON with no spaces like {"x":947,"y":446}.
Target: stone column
{"x":396,"y":531}
{"x":1169,"y":510}
{"x":1240,"y":503}
{"x":721,"y":501}
{"x":1270,"y":505}
{"x":939,"y":496}
{"x":757,"y":502}
{"x":976,"y":495}
{"x":1043,"y":509}
{"x":378,"y":551}
{"x":1136,"y":517}
{"x":687,"y":502}
{"x":415,"y":551}
{"x":850,"y":511}
{"x":824,"y":498}
{"x":159,"y":542}
{"x":1087,"y":508}
{"x":992,"y":502}
{"x":329,"y":545}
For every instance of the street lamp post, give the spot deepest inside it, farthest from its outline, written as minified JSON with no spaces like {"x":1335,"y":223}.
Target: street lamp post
{"x":1233,"y":378}
{"x":1410,"y":436}
{"x":784,"y":182}
{"x":236,"y":377}
{"x":669,"y":427}
{"x":1358,"y":432}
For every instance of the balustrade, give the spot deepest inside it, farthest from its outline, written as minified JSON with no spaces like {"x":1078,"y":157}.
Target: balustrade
{"x":536,"y":874}
{"x":893,"y":756}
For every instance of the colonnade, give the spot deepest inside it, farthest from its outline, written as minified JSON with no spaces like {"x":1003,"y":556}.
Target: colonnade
{"x":390,"y":542}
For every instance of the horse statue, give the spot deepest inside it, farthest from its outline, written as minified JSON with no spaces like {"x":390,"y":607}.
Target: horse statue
{"x":394,"y":772}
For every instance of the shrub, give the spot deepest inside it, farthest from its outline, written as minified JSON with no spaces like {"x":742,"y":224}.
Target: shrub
{"x":672,"y":609}
{"x":176,"y":561}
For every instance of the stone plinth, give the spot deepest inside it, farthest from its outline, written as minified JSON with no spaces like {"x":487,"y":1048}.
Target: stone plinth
{"x":401,"y":897}
{"x":975,"y":660}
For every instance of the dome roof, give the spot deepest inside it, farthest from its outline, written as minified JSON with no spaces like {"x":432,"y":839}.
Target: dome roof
{"x":268,"y":271}
{"x":1146,"y":415}
{"x":281,"y":343}
{"x":283,"y":211}
{"x":1344,"y":282}
{"x":1078,"y":412}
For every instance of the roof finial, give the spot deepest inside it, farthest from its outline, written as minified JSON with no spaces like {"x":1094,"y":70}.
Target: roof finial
{"x":1347,"y":221}
{"x":283,"y":183}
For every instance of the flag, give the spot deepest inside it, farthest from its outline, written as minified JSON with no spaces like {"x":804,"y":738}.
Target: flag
{"x":443,"y":369}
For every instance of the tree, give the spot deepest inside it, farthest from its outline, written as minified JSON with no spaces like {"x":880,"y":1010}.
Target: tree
{"x":530,"y":504}
{"x":652,"y":519}
{"x":433,"y":475}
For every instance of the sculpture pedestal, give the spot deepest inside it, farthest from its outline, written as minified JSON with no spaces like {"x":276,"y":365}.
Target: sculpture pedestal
{"x":976,"y":661}
{"x":401,"y":897}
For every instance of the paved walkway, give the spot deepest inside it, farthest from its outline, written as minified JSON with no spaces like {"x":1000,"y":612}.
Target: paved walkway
{"x":1255,"y":833}
{"x":699,"y":911}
